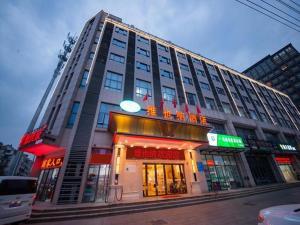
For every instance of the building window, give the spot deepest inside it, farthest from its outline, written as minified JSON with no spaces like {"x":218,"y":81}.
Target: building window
{"x":96,"y":40}
{"x":121,"y":31}
{"x":164,"y":59}
{"x":220,"y":91}
{"x":73,"y":114}
{"x":162,"y":47}
{"x":142,"y":88}
{"x":257,"y":103}
{"x":240,"y":87}
{"x":143,"y":52}
{"x":103,"y":116}
{"x":142,"y":66}
{"x":191,"y":98}
{"x":113,"y":81}
{"x":210,"y":103}
{"x":253,"y":114}
{"x":215,"y":77}
{"x":197,"y":61}
{"x":143,"y":40}
{"x":204,"y":86}
{"x":165,"y":73}
{"x":235,"y":95}
{"x":184,"y":67}
{"x":181,"y":55}
{"x":168,"y":94}
{"x":251,"y":91}
{"x":119,"y":43}
{"x":200,"y":73}
{"x":246,"y":99}
{"x":91,"y":56}
{"x":264,"y":117}
{"x":229,"y":83}
{"x":84,"y":78}
{"x":226,"y":107}
{"x":187,"y":80}
{"x":210,"y":67}
{"x":117,"y":58}
{"x":242,"y":111}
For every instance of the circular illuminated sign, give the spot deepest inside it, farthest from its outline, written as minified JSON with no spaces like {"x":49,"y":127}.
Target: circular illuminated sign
{"x":130,"y":106}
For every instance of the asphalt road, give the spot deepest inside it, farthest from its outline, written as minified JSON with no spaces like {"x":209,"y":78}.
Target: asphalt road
{"x":241,"y":211}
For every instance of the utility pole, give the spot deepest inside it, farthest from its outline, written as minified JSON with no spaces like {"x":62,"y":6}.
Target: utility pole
{"x":63,"y":57}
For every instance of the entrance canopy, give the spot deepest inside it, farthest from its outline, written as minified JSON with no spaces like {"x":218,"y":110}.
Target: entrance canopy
{"x":43,"y":149}
{"x":136,"y":130}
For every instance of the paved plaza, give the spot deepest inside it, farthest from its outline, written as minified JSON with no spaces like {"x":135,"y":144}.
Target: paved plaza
{"x":241,"y":211}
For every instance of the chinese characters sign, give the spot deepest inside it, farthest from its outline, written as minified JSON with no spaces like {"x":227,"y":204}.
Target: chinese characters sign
{"x":52,"y":163}
{"x":30,"y":138}
{"x":227,"y":141}
{"x":287,"y":147}
{"x":152,"y":153}
{"x":180,"y":116}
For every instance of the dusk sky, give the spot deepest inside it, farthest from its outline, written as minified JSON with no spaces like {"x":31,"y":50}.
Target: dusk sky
{"x":32,"y":33}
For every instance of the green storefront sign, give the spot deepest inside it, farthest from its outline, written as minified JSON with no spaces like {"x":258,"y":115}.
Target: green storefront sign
{"x":227,"y":141}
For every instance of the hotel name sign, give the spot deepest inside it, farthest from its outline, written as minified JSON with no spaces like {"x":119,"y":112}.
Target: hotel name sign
{"x":287,"y":147}
{"x":179,"y":116}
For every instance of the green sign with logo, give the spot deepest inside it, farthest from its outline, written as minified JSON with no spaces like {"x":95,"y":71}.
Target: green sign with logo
{"x":227,"y":141}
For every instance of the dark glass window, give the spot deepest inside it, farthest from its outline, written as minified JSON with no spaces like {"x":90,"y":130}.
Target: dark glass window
{"x":119,"y":43}
{"x":204,"y":86}
{"x":84,"y":78}
{"x":184,"y":67}
{"x":165,"y":73}
{"x":226,"y":107}
{"x":143,"y":40}
{"x":121,"y":31}
{"x":117,"y":58}
{"x":187,"y":80}
{"x":164,"y":59}
{"x":143,"y":52}
{"x":143,"y":66}
{"x":162,"y":47}
{"x":142,"y":88}
{"x":168,"y":93}
{"x":113,"y":81}
{"x":210,"y":103}
{"x":220,"y":91}
{"x":73,"y":114}
{"x":191,"y":98}
{"x":103,"y":116}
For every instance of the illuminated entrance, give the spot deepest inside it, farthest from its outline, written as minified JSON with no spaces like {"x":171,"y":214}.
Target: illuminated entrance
{"x":163,"y":179}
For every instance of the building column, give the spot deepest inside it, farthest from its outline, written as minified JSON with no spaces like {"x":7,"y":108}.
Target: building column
{"x":36,"y":167}
{"x":247,"y":177}
{"x":117,"y":164}
{"x":197,"y":178}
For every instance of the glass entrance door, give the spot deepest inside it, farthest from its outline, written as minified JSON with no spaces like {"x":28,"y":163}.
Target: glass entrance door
{"x":47,"y":183}
{"x":163,"y":179}
{"x":288,"y":172}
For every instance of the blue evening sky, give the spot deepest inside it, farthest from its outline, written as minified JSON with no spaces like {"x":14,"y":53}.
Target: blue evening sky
{"x":32,"y":32}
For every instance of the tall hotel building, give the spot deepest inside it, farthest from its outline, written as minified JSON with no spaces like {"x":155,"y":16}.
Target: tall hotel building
{"x":202,"y":126}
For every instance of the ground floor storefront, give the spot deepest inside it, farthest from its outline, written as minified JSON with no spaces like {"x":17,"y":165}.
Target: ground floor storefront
{"x":221,"y":170}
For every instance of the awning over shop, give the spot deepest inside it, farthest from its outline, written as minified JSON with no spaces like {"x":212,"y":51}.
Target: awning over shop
{"x":141,"y":130}
{"x":42,"y":149}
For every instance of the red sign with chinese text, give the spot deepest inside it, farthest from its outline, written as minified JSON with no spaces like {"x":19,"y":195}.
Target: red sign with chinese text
{"x":30,"y":138}
{"x":153,"y":153}
{"x":52,"y":163}
{"x":283,"y":160}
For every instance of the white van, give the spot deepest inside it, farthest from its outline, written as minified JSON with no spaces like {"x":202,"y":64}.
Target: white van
{"x":16,"y":198}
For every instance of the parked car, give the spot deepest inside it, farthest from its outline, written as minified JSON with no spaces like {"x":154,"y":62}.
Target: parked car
{"x":16,"y":198}
{"x":280,"y":215}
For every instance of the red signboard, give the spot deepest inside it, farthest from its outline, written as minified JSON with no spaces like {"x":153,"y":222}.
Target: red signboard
{"x":31,"y":138}
{"x":51,"y":163}
{"x":283,"y":160}
{"x":153,"y":153}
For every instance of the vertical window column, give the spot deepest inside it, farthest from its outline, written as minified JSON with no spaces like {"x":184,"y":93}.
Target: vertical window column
{"x":232,"y":102}
{"x":213,"y":88}
{"x":196,"y":82}
{"x":156,"y":76}
{"x":129,"y":72}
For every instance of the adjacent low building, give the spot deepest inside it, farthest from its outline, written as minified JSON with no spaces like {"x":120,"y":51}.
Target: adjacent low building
{"x":13,"y":162}
{"x":134,"y":116}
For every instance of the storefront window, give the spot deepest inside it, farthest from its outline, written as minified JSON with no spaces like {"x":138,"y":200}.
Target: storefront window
{"x":96,"y":186}
{"x":221,"y":172}
{"x":47,"y":183}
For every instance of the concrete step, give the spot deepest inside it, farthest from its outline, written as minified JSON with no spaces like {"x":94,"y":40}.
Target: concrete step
{"x":125,"y":208}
